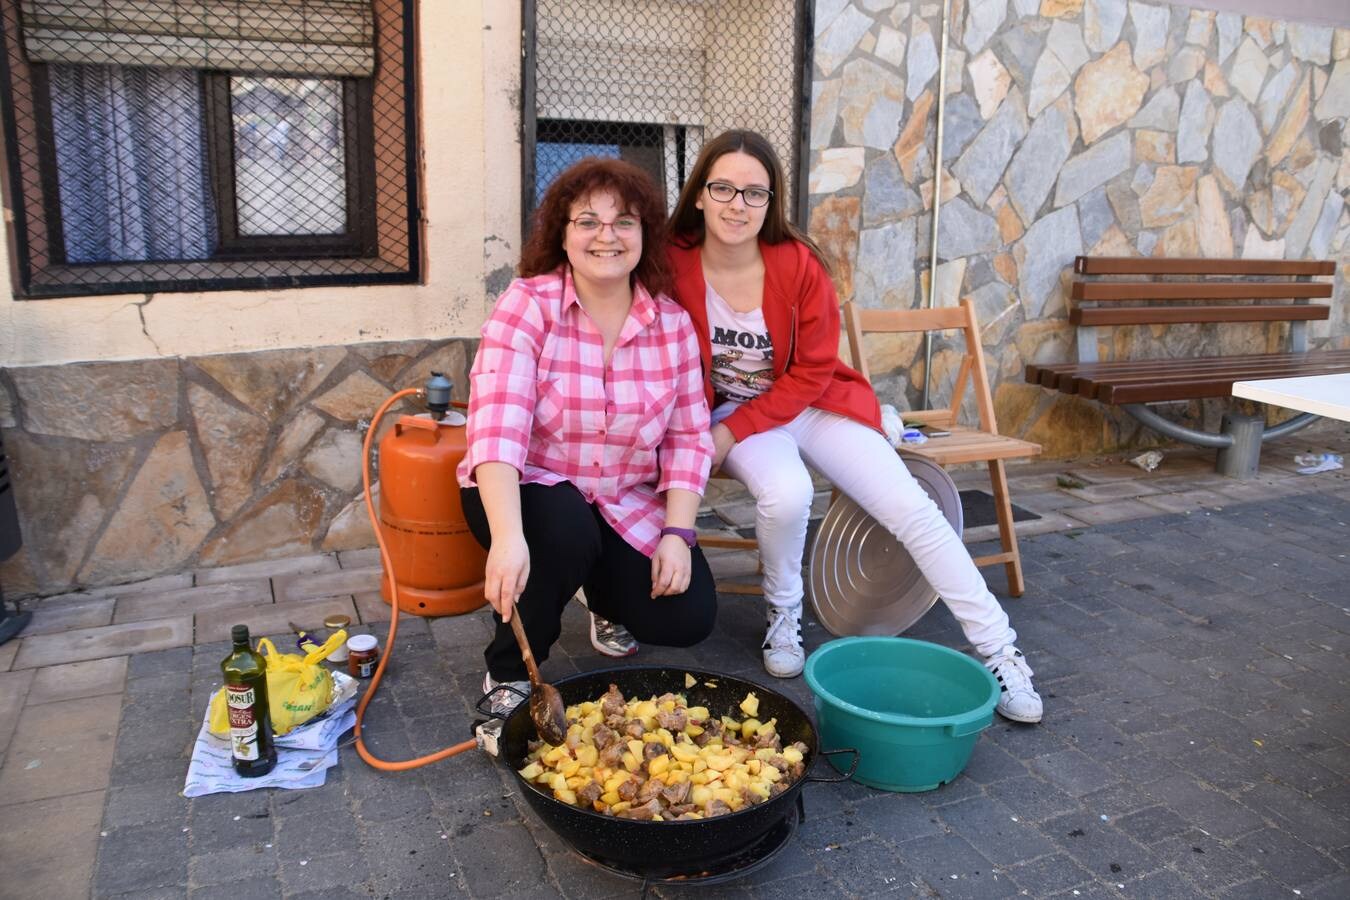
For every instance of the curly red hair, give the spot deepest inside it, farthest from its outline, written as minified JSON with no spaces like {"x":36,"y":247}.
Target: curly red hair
{"x":637,"y":194}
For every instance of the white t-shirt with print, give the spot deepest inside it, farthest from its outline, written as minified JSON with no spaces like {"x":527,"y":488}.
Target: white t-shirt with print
{"x":742,"y":354}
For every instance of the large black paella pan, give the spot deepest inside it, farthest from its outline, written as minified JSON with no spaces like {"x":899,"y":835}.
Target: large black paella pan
{"x":676,"y":848}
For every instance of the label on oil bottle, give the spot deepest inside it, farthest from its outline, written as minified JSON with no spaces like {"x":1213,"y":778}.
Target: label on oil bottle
{"x":240,"y":699}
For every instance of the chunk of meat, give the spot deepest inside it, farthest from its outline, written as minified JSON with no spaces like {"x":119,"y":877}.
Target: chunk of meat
{"x":676,"y":794}
{"x":647,"y":811}
{"x":589,"y":794}
{"x":612,"y":755}
{"x":768,"y":739}
{"x":716,"y":808}
{"x":673,"y":721}
{"x":628,"y":790}
{"x":603,"y":736}
{"x":635,"y":729}
{"x":653,"y":749}
{"x":652,"y":787}
{"x":612,"y":702}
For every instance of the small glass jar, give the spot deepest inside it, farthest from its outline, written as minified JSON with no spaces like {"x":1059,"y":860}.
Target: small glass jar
{"x":337,"y":623}
{"x":363,"y":653}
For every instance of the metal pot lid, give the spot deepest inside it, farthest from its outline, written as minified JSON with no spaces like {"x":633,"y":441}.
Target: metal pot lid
{"x":862,"y":580}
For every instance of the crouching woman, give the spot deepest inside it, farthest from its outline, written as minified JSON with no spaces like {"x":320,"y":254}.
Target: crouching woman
{"x":588,"y":430}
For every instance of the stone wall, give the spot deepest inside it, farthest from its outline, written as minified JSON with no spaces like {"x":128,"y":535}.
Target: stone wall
{"x":124,"y":470}
{"x":1071,"y":127}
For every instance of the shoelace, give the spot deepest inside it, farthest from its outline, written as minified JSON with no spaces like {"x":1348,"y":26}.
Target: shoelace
{"x":775,"y":636}
{"x":1018,"y":663}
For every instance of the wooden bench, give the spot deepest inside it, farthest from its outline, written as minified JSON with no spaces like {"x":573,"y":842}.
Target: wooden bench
{"x":1124,"y":291}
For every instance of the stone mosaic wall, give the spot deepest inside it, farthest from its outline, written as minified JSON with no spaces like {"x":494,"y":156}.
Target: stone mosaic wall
{"x":123,"y":470}
{"x":1072,"y":127}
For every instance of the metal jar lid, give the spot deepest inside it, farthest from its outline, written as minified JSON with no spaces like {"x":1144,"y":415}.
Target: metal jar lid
{"x":338,"y":621}
{"x":362,"y":643}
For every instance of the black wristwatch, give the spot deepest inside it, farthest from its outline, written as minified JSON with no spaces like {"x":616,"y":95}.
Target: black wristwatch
{"x":688,"y":535}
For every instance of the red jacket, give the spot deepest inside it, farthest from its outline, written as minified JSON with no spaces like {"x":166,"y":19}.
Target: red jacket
{"x":801,"y":311}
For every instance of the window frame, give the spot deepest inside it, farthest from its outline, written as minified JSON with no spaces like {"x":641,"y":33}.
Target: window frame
{"x":798,"y":211}
{"x":358,"y":241}
{"x":36,"y":234}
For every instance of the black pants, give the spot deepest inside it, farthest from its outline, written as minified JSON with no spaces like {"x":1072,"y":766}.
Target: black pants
{"x":572,"y":546}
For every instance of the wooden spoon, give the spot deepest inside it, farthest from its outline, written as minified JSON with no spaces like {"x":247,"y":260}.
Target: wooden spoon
{"x":546,"y":704}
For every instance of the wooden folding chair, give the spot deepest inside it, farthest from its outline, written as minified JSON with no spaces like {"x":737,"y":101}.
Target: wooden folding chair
{"x":965,"y":444}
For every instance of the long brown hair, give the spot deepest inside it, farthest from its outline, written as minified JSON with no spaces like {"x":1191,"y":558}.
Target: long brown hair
{"x":637,"y":194}
{"x":687,"y":223}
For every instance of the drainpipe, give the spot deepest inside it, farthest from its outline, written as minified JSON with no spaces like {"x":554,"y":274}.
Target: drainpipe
{"x":937,"y":202}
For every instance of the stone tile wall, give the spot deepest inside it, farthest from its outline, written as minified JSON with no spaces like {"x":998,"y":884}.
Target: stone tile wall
{"x":1072,"y":127}
{"x":124,"y":470}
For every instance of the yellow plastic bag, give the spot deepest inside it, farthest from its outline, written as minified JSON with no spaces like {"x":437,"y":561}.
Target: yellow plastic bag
{"x":298,"y":688}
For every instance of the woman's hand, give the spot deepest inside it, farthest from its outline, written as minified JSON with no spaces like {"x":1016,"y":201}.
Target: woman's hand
{"x":508,"y":568}
{"x":723,"y":441}
{"x":671,"y":567}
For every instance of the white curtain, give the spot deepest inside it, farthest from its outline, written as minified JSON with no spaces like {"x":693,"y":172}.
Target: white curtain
{"x":131,"y":164}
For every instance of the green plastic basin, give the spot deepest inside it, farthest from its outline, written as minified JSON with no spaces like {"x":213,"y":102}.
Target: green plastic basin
{"x":913,"y":710}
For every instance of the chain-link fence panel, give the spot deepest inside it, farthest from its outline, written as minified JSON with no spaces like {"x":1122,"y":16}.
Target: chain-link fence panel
{"x":648,"y":81}
{"x":200,"y":144}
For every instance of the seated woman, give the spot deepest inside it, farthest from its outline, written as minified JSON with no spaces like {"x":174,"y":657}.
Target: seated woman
{"x":588,"y":443}
{"x":768,"y":323}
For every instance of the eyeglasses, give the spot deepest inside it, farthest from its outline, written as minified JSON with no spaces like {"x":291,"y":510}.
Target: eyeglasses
{"x":625,"y":225}
{"x":725,"y":193}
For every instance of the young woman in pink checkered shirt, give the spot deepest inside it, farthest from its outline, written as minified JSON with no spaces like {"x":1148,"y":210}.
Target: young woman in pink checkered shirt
{"x":589,"y":443}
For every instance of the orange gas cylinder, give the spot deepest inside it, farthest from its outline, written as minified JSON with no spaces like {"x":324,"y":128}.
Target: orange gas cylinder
{"x":438,"y":564}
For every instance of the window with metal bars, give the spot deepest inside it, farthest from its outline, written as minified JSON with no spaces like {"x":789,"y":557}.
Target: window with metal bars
{"x":649,"y":80}
{"x":209,"y":144}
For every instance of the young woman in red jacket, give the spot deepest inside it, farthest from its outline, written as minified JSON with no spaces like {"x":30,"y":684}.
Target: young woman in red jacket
{"x":768,"y":323}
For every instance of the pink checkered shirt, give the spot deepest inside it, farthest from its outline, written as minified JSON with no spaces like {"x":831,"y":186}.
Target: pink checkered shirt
{"x":543,"y":400}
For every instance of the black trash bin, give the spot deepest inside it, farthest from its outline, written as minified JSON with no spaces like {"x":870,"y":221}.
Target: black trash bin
{"x":11,"y":623}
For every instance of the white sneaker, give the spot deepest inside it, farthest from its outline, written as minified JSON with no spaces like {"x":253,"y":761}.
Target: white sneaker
{"x":1017,"y":699}
{"x":506,"y":695}
{"x":783,"y":654}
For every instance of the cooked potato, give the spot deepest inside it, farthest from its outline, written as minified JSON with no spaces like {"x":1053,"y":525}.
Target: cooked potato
{"x":707,"y":767}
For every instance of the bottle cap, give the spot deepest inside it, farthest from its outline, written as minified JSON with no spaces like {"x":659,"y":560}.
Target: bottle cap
{"x":362,"y":642}
{"x":239,"y":634}
{"x":338,"y":621}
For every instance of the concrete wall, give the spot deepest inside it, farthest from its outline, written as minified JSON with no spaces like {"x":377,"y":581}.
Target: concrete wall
{"x":1072,"y":127}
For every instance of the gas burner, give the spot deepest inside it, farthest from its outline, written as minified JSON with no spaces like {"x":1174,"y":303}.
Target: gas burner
{"x":751,"y":859}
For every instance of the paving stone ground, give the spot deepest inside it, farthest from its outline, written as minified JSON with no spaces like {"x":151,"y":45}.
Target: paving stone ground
{"x":1194,"y":658}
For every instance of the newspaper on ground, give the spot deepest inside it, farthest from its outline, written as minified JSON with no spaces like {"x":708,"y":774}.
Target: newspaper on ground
{"x":304,"y":755}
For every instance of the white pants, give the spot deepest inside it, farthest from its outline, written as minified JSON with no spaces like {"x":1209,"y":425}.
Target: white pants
{"x":859,"y":462}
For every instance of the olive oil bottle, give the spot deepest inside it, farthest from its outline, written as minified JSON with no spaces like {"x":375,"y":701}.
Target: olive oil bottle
{"x":251,"y":746}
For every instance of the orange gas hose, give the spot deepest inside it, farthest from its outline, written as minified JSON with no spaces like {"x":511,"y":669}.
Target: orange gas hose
{"x":406,"y":764}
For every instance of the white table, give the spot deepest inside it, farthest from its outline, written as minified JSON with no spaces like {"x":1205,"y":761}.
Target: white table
{"x":1322,"y":395}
